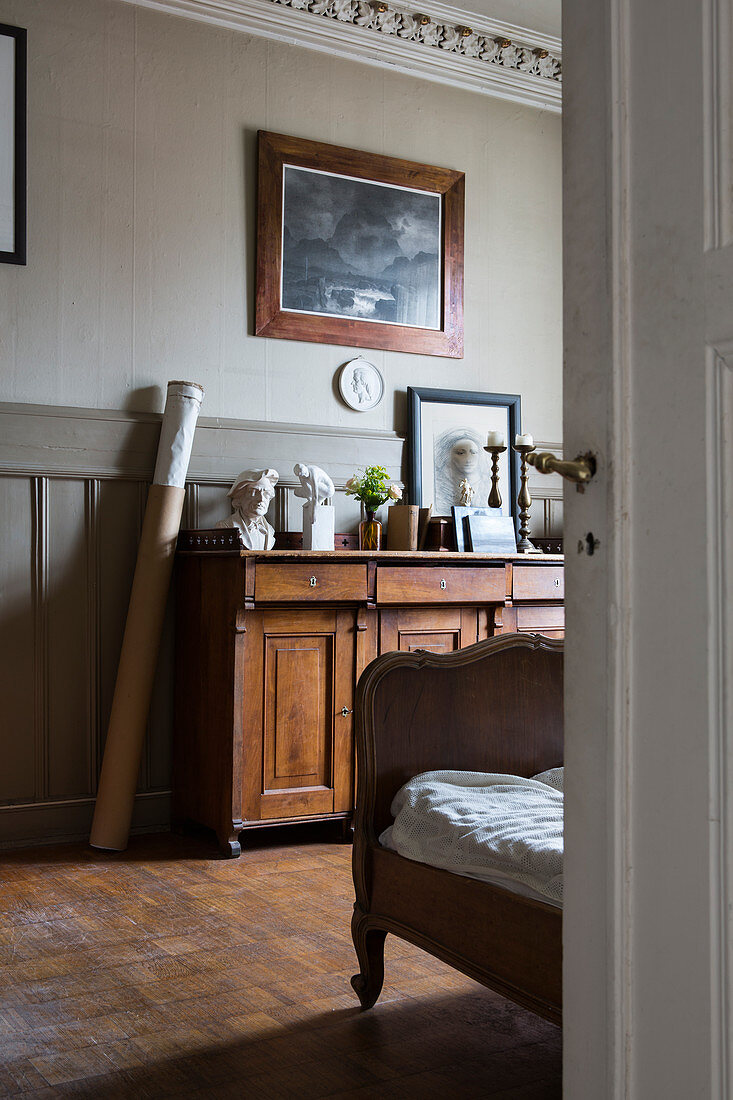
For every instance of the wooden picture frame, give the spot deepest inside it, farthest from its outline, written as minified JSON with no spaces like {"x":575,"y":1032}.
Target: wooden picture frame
{"x":312,"y":197}
{"x":13,"y":79}
{"x":437,"y":417}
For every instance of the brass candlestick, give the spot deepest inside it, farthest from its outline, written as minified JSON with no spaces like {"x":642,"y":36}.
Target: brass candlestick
{"x":524,"y":500}
{"x":494,"y":500}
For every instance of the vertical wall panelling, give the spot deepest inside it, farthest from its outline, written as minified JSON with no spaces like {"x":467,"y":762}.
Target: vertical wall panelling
{"x":67,"y":596}
{"x":40,"y":619}
{"x":94,"y":648}
{"x":280,"y":511}
{"x":18,"y":637}
{"x":212,"y":502}
{"x":191,"y":507}
{"x":144,"y":778}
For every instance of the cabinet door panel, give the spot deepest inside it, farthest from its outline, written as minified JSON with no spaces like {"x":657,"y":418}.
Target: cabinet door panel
{"x":307,"y":678}
{"x":534,"y":619}
{"x":439,"y":642}
{"x":438,"y":629}
{"x":549,"y":621}
{"x":297,"y":712}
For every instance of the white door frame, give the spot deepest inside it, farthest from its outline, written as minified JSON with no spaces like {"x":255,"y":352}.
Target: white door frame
{"x":648,"y":388}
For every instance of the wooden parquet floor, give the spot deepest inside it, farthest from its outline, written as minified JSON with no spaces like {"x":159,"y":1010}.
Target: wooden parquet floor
{"x":165,"y":971}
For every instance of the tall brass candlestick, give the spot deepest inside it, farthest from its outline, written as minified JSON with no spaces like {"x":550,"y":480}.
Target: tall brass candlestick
{"x":524,"y":500}
{"x":494,"y":500}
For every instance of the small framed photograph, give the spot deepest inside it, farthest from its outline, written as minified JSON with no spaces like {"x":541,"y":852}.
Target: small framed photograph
{"x":446,"y":438}
{"x":12,"y":144}
{"x":358,"y":249}
{"x":460,"y":513}
{"x":491,"y":534}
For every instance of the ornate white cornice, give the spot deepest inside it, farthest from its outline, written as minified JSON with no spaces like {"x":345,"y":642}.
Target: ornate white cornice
{"x":443,"y":44}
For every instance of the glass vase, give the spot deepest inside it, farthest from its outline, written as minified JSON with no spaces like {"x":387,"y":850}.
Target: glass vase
{"x":370,"y":533}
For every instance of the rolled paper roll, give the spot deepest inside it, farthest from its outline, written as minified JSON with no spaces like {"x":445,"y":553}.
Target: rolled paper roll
{"x":144,"y":625}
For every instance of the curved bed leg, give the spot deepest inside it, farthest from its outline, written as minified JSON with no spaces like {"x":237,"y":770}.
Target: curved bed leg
{"x":369,"y":947}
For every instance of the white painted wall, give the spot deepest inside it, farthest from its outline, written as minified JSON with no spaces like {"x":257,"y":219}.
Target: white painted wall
{"x":544,"y":16}
{"x":142,"y":138}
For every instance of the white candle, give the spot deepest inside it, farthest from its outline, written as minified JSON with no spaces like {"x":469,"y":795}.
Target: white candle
{"x":495,"y":439}
{"x":523,"y":441}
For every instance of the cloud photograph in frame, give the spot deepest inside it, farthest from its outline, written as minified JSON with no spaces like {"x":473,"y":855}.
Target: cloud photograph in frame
{"x":358,"y":249}
{"x":353,"y":248}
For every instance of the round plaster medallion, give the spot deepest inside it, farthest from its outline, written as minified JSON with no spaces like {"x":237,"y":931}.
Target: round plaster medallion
{"x":361,"y":384}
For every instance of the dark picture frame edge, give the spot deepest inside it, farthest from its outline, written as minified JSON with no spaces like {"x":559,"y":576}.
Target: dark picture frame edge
{"x":20,"y":145}
{"x":416,"y":396}
{"x":274,"y":150}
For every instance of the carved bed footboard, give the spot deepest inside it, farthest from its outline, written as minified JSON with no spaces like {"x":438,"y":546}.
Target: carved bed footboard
{"x":496,"y":706}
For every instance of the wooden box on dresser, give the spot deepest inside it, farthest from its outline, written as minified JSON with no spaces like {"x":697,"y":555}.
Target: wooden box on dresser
{"x":269,"y":646}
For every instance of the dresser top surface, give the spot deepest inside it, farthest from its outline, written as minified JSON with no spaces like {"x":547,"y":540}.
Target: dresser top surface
{"x":425,"y":556}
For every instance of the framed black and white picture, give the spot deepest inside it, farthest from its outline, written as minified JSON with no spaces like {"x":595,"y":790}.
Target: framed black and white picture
{"x":359,"y":249}
{"x":12,"y":144}
{"x":446,"y":438}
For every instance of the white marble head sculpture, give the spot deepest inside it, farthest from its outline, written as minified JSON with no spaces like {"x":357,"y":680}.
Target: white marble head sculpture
{"x":315,"y":486}
{"x":250,"y":495}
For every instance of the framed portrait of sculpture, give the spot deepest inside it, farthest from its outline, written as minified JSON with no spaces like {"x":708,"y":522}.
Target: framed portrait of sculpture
{"x":12,"y":144}
{"x":358,"y":249}
{"x":447,"y":433}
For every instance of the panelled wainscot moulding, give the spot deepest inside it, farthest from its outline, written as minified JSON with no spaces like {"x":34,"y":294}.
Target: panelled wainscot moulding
{"x":441,"y":43}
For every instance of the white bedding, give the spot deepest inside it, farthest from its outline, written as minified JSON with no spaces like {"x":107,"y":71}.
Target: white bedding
{"x":498,"y":828}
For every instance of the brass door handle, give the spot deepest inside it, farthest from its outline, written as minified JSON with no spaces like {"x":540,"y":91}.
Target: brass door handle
{"x":580,"y":470}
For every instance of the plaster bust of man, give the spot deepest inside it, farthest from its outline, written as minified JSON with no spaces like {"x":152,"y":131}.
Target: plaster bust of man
{"x":251,"y":494}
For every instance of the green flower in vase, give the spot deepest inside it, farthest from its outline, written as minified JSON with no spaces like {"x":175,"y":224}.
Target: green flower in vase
{"x":373,"y":489}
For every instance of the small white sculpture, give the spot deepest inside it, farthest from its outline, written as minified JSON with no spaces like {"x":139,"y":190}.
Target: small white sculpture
{"x":251,"y":494}
{"x":319,"y":521}
{"x":315,"y":485}
{"x":466,"y":492}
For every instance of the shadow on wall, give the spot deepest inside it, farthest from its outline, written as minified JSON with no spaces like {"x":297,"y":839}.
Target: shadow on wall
{"x":145,"y":399}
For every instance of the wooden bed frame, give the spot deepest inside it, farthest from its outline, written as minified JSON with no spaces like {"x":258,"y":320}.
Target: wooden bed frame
{"x":496,"y":706}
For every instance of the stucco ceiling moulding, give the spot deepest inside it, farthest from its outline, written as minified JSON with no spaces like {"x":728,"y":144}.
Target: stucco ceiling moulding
{"x":437,"y":42}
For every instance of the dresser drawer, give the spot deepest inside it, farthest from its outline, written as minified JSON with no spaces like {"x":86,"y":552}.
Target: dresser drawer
{"x":435,"y":584}
{"x":538,"y":582}
{"x":293,"y":582}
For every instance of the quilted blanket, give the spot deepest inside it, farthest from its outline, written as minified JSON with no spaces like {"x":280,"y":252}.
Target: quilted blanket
{"x":486,"y":826}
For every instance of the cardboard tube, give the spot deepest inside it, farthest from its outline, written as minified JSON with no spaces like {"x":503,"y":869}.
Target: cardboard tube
{"x":144,"y":625}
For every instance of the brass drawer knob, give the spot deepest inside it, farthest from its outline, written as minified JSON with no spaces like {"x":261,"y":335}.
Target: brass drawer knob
{"x":442,"y":584}
{"x":313,"y":582}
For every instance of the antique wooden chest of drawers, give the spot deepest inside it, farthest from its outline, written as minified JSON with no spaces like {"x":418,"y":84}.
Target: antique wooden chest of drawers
{"x":269,"y":646}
